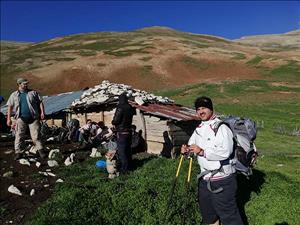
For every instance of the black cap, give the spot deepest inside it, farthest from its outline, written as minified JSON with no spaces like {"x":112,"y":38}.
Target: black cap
{"x":204,"y":101}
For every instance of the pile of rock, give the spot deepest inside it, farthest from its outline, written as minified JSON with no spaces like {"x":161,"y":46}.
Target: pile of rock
{"x":109,"y":92}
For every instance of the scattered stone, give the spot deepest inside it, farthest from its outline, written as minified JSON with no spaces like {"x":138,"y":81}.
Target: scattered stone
{"x":46,"y":185}
{"x":8,"y":174}
{"x":14,"y":190}
{"x":51,"y":174}
{"x":37,"y":164}
{"x":70,"y":160}
{"x":47,"y":174}
{"x":106,"y":92}
{"x":52,"y":163}
{"x":24,"y":162}
{"x":59,"y":180}
{"x":50,"y":139}
{"x":32,"y":160}
{"x":139,"y":100}
{"x":33,"y":150}
{"x":48,"y":170}
{"x":95,"y":153}
{"x":32,"y":192}
{"x":53,"y":153}
{"x":8,"y":152}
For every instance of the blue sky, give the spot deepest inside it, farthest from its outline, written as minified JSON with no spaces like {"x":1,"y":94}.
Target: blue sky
{"x":42,"y":20}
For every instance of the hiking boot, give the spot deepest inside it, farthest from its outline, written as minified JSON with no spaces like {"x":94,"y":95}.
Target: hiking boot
{"x":18,"y":156}
{"x":42,"y":154}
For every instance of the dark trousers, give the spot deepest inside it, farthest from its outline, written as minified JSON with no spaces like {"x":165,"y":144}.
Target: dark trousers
{"x":124,"y":151}
{"x":223,"y":206}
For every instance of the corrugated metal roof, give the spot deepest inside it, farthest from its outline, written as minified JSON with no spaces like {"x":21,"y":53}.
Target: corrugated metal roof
{"x":171,"y":111}
{"x":56,"y":103}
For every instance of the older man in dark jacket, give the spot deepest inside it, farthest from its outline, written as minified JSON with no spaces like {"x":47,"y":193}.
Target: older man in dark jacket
{"x":122,"y":121}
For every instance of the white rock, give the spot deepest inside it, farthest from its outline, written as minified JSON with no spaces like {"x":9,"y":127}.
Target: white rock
{"x":33,"y":150}
{"x":95,"y":153}
{"x":59,"y":180}
{"x":47,"y":174}
{"x":69,"y":160}
{"x":139,"y":100}
{"x":32,"y":192}
{"x":46,"y":185}
{"x":43,"y":173}
{"x":8,"y":152}
{"x":24,"y":162}
{"x":37,"y":164}
{"x":50,"y":139}
{"x":52,"y":163}
{"x":14,"y":190}
{"x":32,"y":160}
{"x":8,"y":174}
{"x":52,"y":153}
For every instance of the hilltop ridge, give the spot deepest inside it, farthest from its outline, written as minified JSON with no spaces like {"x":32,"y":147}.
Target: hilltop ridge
{"x":152,"y":58}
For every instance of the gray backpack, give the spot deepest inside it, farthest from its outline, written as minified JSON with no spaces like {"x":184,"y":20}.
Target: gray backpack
{"x":244,"y":151}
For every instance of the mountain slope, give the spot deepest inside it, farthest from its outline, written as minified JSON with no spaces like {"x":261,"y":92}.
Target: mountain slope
{"x":152,"y":58}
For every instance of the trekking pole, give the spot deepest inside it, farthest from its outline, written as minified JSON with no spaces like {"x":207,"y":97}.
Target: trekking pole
{"x":173,"y":189}
{"x":188,"y":187}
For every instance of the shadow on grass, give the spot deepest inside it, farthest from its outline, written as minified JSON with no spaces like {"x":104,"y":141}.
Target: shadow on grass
{"x":246,"y":187}
{"x":141,"y":159}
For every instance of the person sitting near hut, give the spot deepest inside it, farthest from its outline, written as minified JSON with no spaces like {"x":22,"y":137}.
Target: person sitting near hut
{"x":137,"y":143}
{"x":73,"y":128}
{"x":101,"y":133}
{"x":85,"y":134}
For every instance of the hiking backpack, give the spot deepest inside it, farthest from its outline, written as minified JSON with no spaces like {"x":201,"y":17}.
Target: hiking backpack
{"x":244,"y":152}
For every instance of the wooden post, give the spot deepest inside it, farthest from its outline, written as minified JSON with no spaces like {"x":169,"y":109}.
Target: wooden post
{"x":85,"y":118}
{"x":102,"y":116}
{"x":143,"y":123}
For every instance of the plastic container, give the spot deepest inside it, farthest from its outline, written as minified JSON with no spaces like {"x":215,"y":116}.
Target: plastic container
{"x":101,"y":164}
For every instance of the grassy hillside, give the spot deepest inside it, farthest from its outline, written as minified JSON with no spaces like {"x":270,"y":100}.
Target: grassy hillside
{"x":151,"y":59}
{"x":270,"y":196}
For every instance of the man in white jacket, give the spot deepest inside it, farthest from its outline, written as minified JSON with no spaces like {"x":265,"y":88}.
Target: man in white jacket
{"x":217,"y":184}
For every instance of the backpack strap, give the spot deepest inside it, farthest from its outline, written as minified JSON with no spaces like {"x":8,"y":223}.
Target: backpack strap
{"x":222,"y":162}
{"x":213,"y":172}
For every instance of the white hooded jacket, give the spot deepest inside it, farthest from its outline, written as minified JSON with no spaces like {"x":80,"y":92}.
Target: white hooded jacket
{"x":217,"y":147}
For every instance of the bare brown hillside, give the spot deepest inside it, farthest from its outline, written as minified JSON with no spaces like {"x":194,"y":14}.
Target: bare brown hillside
{"x":151,"y":59}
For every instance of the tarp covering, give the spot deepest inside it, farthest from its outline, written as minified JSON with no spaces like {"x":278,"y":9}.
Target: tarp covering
{"x":56,"y":103}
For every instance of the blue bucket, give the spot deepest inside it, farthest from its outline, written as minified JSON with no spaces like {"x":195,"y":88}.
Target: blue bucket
{"x":101,"y":164}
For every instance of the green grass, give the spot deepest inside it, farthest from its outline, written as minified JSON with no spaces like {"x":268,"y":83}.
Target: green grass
{"x":289,"y":71}
{"x":255,"y":60}
{"x":238,"y":56}
{"x":199,"y":65}
{"x":138,"y":198}
{"x":271,"y":196}
{"x":192,"y":43}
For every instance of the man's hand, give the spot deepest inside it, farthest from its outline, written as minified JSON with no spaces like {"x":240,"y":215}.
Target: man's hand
{"x":196,"y":149}
{"x":184,"y":149}
{"x":42,"y":116}
{"x":8,"y":122}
